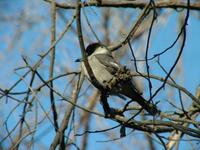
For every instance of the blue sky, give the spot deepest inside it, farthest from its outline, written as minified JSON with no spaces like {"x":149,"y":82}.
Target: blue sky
{"x":36,"y":29}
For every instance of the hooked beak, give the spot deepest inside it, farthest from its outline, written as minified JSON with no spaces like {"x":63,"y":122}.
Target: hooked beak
{"x":79,"y":60}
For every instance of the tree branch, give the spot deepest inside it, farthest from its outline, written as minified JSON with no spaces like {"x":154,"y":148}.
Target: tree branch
{"x":131,"y":4}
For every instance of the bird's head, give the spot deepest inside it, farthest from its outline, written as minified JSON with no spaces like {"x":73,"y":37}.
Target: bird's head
{"x":93,"y":49}
{"x":96,"y":48}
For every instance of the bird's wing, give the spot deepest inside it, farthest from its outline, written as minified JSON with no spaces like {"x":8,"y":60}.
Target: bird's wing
{"x":108,"y":61}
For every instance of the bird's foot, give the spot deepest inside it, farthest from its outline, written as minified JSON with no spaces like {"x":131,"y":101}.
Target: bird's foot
{"x":153,"y":110}
{"x":112,"y":112}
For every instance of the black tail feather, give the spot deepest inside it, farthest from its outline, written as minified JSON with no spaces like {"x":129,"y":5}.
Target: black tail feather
{"x":130,"y":91}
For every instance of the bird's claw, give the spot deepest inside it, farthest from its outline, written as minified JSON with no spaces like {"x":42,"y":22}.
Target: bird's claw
{"x":112,"y":112}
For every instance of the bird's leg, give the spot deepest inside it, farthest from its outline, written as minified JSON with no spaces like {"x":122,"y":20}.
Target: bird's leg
{"x":106,"y":107}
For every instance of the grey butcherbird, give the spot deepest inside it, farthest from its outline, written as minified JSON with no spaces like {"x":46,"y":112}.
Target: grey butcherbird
{"x":105,"y":69}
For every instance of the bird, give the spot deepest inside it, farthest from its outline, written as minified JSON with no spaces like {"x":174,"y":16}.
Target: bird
{"x":105,"y":68}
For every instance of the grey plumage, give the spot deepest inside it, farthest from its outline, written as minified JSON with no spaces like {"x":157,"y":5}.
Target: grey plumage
{"x":104,"y":68}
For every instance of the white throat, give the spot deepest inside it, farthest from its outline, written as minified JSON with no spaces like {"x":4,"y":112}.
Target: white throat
{"x":101,"y":50}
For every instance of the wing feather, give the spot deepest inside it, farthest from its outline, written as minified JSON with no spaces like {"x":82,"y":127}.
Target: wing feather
{"x":109,"y":62}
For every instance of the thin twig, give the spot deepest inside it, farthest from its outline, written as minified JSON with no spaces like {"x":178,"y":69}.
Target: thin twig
{"x":52,"y":61}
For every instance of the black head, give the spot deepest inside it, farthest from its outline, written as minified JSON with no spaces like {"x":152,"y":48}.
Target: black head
{"x":92,"y":47}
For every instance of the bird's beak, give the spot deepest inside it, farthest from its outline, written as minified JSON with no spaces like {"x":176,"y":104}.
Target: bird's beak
{"x":79,"y":60}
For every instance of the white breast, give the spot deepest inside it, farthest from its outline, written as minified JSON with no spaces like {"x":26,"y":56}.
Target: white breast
{"x":98,"y":69}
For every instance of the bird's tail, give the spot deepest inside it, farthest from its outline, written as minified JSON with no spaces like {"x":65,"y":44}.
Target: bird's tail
{"x":130,"y":91}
